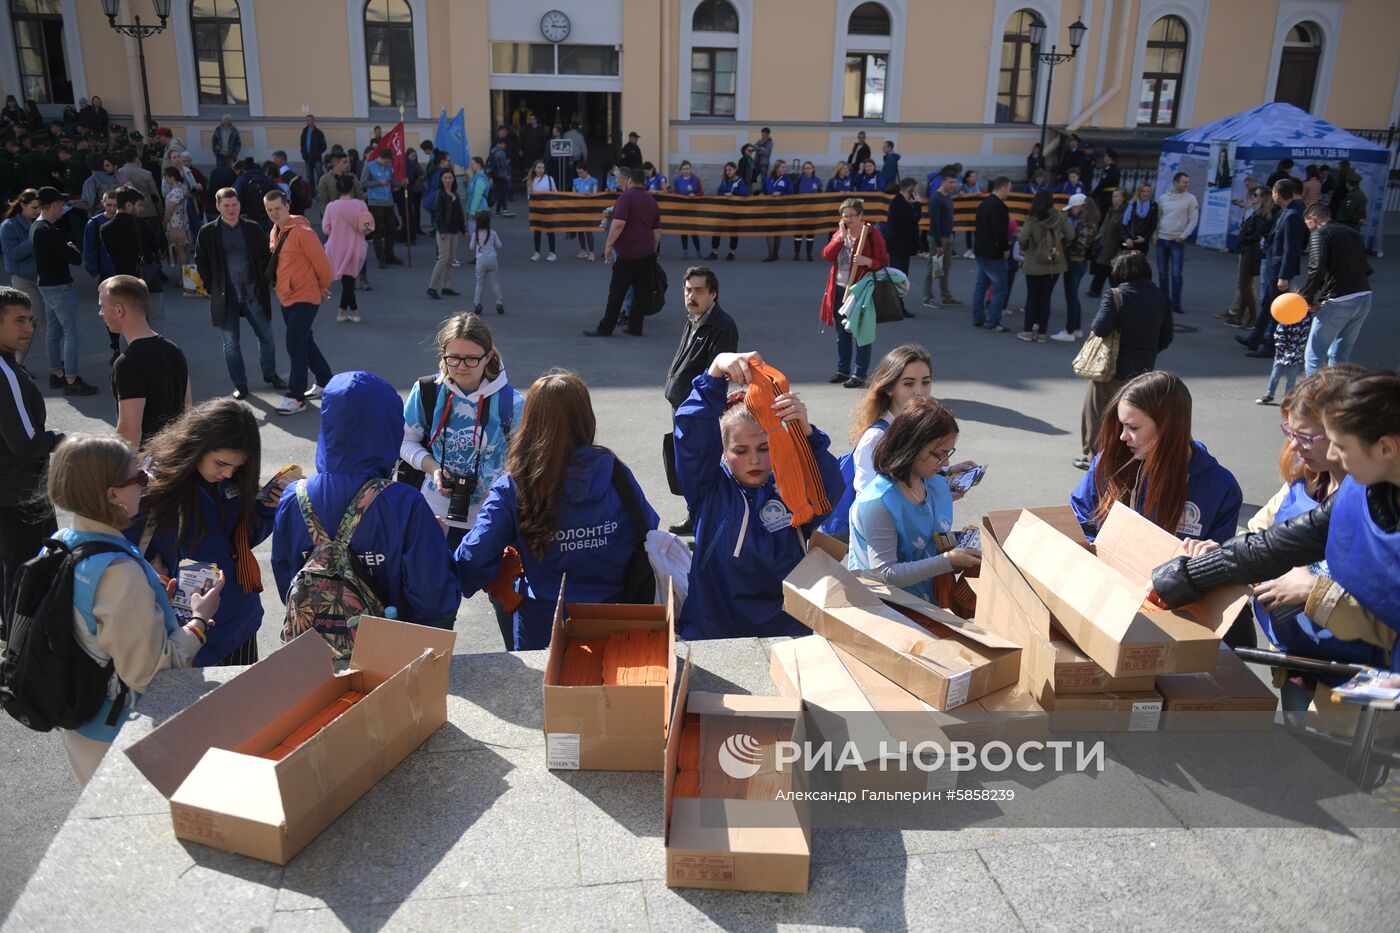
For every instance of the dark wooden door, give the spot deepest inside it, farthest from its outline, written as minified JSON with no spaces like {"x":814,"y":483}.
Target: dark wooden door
{"x":1297,"y":78}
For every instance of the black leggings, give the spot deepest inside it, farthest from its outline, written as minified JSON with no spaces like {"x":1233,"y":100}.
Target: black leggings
{"x":687,"y":239}
{"x":537,"y":241}
{"x":733,"y":243}
{"x":347,"y":293}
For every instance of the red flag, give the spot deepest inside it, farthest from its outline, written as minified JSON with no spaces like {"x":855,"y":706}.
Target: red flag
{"x":393,"y":141}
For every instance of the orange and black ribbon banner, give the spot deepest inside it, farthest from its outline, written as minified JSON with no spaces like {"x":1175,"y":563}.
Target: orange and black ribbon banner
{"x":786,"y":215}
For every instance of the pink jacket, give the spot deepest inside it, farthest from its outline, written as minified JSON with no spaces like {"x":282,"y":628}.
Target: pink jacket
{"x":343,"y":223}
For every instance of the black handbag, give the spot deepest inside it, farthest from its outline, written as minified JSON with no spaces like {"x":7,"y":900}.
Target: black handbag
{"x":638,"y":580}
{"x":659,"y":284}
{"x":889,"y":307}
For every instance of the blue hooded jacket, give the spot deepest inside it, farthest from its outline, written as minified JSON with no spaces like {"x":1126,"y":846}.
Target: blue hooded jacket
{"x":744,"y":546}
{"x":1213,"y":499}
{"x":593,"y":544}
{"x":401,"y":548}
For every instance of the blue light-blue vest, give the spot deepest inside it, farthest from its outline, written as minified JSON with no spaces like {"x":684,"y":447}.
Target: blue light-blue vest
{"x":1363,"y":558}
{"x":838,"y":523}
{"x":86,"y":577}
{"x":914,"y":523}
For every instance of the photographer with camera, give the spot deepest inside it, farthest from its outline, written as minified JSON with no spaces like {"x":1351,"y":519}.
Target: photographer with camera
{"x":457,"y":424}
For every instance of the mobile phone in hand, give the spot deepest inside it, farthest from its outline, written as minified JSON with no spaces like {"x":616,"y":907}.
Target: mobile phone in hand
{"x":964,"y":481}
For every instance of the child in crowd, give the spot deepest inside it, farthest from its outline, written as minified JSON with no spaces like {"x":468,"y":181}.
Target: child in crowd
{"x":1290,"y":344}
{"x":583,"y":184}
{"x":486,"y":245}
{"x":541,"y":181}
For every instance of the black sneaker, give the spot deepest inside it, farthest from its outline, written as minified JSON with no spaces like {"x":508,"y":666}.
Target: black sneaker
{"x":240,"y":392}
{"x":837,"y":379}
{"x":276,"y":381}
{"x":500,"y":309}
{"x":56,"y":381}
{"x":79,"y":387}
{"x":684,"y":529}
{"x":729,"y":258}
{"x":476,"y":309}
{"x":432,"y":293}
{"x":855,"y":382}
{"x":712,"y":257}
{"x":451,"y":291}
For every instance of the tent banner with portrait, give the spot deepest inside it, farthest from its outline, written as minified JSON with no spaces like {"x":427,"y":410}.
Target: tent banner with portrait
{"x":1249,"y":145}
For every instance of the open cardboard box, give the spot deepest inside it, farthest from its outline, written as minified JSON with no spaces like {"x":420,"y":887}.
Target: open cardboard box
{"x":206,"y":759}
{"x":944,"y":660}
{"x":1229,"y":698}
{"x":1097,"y":597}
{"x":735,"y":845}
{"x":606,"y":727}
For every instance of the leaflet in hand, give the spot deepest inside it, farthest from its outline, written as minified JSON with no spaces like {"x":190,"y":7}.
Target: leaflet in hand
{"x":970,"y":539}
{"x":195,"y":577}
{"x":965,"y":480}
{"x":1379,"y":689}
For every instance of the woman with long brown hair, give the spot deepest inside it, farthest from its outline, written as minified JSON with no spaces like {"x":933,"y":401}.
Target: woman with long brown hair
{"x":203,"y":504}
{"x":1148,"y":461}
{"x":563,"y":504}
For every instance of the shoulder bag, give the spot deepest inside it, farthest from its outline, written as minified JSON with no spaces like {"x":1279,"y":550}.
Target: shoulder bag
{"x":1097,"y":360}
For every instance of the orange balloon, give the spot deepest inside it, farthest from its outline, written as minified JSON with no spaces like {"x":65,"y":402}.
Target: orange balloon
{"x":1289,"y":308}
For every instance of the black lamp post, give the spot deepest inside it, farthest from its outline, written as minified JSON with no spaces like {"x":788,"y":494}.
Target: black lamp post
{"x":140,"y":33}
{"x":1052,"y":58}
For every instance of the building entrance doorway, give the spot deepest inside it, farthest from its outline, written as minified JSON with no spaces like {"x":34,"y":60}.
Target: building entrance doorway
{"x":596,"y":112}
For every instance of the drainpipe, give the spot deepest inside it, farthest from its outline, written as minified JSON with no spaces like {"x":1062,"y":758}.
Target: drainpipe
{"x":1120,"y":54}
{"x":665,"y":161}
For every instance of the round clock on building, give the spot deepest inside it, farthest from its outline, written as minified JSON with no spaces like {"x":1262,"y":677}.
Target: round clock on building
{"x":554,"y":26}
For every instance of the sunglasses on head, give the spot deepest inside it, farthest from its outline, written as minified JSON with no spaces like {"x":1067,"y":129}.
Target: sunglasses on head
{"x":142,"y":479}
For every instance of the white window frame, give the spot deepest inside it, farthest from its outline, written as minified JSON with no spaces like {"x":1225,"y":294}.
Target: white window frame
{"x":1195,"y":14}
{"x":1327,"y":16}
{"x":72,"y":46}
{"x":1050,"y":16}
{"x":359,"y":67}
{"x":891,"y":46}
{"x":742,"y":41}
{"x":182,"y":26}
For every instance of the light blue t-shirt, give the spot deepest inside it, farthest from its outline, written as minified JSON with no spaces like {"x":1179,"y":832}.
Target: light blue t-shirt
{"x":380,"y":195}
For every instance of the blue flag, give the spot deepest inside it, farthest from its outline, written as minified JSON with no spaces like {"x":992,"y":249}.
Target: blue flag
{"x":440,"y":135}
{"x":456,"y":145}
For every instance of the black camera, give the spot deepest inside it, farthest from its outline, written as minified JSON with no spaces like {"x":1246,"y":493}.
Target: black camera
{"x":459,"y":491}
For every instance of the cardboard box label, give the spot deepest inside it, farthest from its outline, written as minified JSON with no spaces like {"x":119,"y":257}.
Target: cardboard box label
{"x":561,"y":750}
{"x":1145,"y":716}
{"x":702,"y":867}
{"x":1146,"y":658}
{"x":958,"y":687}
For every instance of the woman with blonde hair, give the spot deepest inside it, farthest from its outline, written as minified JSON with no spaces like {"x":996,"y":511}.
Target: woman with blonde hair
{"x":121,"y":612}
{"x":565,"y":504}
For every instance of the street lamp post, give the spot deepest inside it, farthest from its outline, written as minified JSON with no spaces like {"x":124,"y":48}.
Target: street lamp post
{"x":140,"y":33}
{"x":1052,"y":58}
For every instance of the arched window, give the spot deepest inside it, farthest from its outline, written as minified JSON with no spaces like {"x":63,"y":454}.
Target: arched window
{"x":218,"y":51}
{"x":43,"y":67}
{"x":714,"y":59}
{"x":1019,"y":71}
{"x":1297,"y":70}
{"x":389,"y":50}
{"x":1163,"y":70}
{"x":869,"y":19}
{"x":715,"y":16}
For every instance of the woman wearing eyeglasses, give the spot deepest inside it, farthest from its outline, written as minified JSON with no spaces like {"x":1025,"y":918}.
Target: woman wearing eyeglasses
{"x":901,"y":521}
{"x":457,"y":422}
{"x":120,"y":608}
{"x":203,"y":504}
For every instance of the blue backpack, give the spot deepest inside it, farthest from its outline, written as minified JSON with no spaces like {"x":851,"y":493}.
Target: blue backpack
{"x":431,"y":189}
{"x":838,"y":523}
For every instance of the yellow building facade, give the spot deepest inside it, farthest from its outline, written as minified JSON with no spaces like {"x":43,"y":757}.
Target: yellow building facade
{"x":944,"y":80}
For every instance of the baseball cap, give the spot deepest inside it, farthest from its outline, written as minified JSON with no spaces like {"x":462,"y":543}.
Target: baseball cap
{"x":633,"y":135}
{"x":1353,"y":178}
{"x":1076,"y":199}
{"x":48,"y":195}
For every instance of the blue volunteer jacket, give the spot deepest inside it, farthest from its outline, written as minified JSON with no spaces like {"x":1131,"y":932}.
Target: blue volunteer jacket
{"x":778,"y":185}
{"x":839,"y":184}
{"x":240,"y":612}
{"x":744,"y":546}
{"x":1213,"y":499}
{"x":593,"y":544}
{"x":807,"y":185}
{"x":865,"y":182}
{"x":735,"y":185}
{"x":400,"y":546}
{"x":682,"y":185}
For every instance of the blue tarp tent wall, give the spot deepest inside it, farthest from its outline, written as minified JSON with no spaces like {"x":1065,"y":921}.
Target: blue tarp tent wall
{"x":1254,"y":141}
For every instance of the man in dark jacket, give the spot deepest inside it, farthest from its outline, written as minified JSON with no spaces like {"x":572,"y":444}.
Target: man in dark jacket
{"x":991,"y":245}
{"x":903,"y":238}
{"x":232,"y":255}
{"x":313,"y":148}
{"x":222,"y":176}
{"x":128,"y":241}
{"x":708,"y":332}
{"x":631,"y":154}
{"x":26,"y":517}
{"x":1283,"y":254}
{"x":1338,"y":288}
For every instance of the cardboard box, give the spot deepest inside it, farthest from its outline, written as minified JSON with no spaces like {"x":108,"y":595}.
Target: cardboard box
{"x":206,"y":759}
{"x":943,"y":660}
{"x":606,"y":727}
{"x":735,"y":845}
{"x":1098,"y":597}
{"x":1229,"y":698}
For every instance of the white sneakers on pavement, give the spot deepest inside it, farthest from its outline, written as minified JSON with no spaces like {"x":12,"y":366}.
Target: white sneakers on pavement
{"x":535,"y":256}
{"x":549,"y":258}
{"x":1065,"y":336}
{"x":313,"y":392}
{"x":291,"y":406}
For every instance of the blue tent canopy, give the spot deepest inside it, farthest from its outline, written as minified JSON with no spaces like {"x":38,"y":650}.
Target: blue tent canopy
{"x":1285,"y":128}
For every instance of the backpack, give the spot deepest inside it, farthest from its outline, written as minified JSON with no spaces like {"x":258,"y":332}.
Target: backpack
{"x":253,"y":204}
{"x":300,"y":197}
{"x":328,"y":594}
{"x":1048,"y":249}
{"x":659,"y":284}
{"x":407,"y":473}
{"x":838,"y":523}
{"x":431,"y":189}
{"x":47,"y":679}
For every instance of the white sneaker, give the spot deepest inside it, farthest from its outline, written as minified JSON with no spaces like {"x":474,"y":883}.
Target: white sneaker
{"x":582,"y":254}
{"x":969,"y":255}
{"x":313,"y":392}
{"x":354,"y":319}
{"x":590,"y":258}
{"x":535,"y":256}
{"x":291,"y":406}
{"x":549,"y":258}
{"x":1065,"y":336}
{"x":456,"y":263}
{"x":340,"y":316}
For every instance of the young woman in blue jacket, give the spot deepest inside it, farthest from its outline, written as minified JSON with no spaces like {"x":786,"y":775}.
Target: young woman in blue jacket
{"x":807,"y":183}
{"x":777,"y":184}
{"x":559,"y":506}
{"x":203,"y":504}
{"x":1148,"y":461}
{"x":744,"y":541}
{"x":687,"y":184}
{"x":731,"y":186}
{"x":840,"y":179}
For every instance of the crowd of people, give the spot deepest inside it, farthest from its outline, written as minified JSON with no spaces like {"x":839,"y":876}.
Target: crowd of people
{"x":476,"y":484}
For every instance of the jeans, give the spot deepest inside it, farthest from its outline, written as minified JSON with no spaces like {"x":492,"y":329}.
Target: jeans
{"x":61,"y":315}
{"x":314,"y":170}
{"x":846,"y":344}
{"x":1097,"y":282}
{"x":1288,"y":372}
{"x":1170,"y":255}
{"x":990,"y":273}
{"x":502,"y":186}
{"x":302,"y":349}
{"x":1039,"y":288}
{"x":233,"y":351}
{"x":1263,"y":333}
{"x":1073,"y":276}
{"x":1335,"y":328}
{"x":945,"y":292}
{"x":1245,"y":307}
{"x":627,"y":273}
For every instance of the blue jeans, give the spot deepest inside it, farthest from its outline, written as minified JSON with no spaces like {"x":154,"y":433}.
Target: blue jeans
{"x":1170,"y":255}
{"x":233,"y":350}
{"x":1073,"y":276}
{"x":61,"y":316}
{"x":990,"y":273}
{"x":1263,"y":334}
{"x":846,"y":344}
{"x":302,"y":349}
{"x":502,"y":186}
{"x":1335,"y":329}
